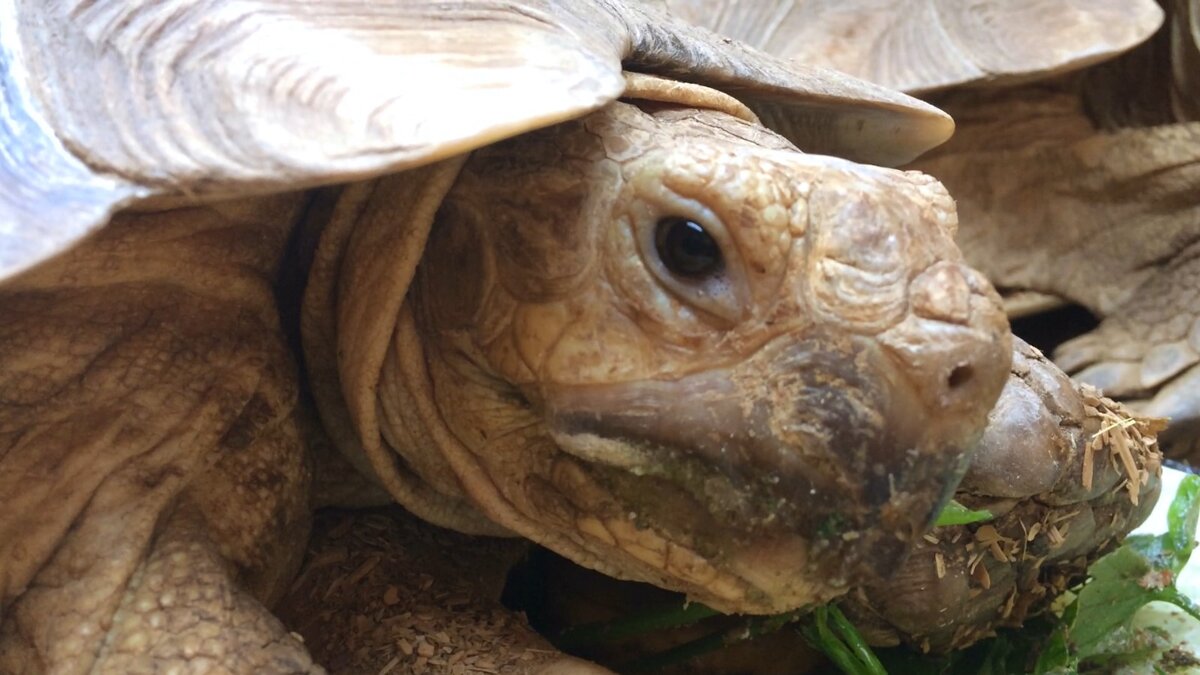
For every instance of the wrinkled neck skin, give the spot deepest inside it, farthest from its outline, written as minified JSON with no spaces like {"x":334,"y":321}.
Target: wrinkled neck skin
{"x":761,"y":437}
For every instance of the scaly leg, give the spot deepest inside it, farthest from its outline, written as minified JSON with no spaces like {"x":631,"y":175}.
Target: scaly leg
{"x":153,"y":479}
{"x":382,"y":590}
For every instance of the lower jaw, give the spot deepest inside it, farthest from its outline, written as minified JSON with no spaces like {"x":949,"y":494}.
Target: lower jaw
{"x":667,"y":535}
{"x":759,"y":579}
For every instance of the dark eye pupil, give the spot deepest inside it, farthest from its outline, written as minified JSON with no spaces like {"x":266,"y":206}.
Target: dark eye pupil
{"x":685,"y":248}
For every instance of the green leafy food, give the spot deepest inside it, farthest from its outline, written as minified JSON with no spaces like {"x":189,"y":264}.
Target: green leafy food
{"x":656,"y":619}
{"x":748,"y":629}
{"x":830,"y":631}
{"x":1172,"y":550}
{"x":1056,"y":656}
{"x":1141,"y":571}
{"x":957,"y":514}
{"x":1109,"y":601}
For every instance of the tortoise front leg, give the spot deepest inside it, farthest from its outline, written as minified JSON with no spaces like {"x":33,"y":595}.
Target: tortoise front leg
{"x":383,"y":591}
{"x":153,"y":479}
{"x":184,"y":611}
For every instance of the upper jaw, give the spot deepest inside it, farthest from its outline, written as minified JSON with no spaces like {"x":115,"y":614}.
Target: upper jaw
{"x":803,"y":469}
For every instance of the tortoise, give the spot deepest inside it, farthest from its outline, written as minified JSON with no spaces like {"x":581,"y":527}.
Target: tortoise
{"x":648,"y":333}
{"x":1074,"y":165}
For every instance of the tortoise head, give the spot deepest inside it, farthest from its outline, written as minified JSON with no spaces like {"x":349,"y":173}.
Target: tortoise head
{"x":672,"y":347}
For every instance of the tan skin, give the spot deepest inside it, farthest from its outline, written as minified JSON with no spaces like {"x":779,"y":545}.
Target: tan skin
{"x":154,"y":480}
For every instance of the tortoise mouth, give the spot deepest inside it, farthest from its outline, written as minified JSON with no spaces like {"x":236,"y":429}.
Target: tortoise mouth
{"x":809,"y":467}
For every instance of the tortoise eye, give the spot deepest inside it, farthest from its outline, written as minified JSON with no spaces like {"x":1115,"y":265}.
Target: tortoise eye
{"x":685,"y":248}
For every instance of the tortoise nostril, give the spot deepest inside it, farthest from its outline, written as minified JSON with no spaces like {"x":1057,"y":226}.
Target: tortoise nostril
{"x":959,"y":376}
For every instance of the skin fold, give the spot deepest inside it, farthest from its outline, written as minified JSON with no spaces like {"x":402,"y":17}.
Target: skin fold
{"x":153,"y":475}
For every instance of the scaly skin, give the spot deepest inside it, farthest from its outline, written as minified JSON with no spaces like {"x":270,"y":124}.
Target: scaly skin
{"x":153,"y":480}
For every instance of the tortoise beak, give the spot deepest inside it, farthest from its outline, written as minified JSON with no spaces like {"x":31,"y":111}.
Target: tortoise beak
{"x":820,"y":457}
